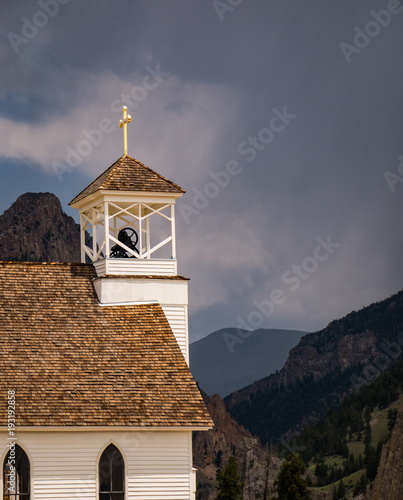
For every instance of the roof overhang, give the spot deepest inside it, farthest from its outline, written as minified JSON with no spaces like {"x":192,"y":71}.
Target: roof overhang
{"x":102,"y":196}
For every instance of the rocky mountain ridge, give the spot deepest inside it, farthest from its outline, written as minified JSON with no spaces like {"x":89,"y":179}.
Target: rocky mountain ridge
{"x":348,"y":353}
{"x":35,"y":228}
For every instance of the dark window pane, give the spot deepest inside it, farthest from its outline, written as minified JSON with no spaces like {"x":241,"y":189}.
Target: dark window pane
{"x":117,"y":476}
{"x":23,"y":473}
{"x":18,"y":479}
{"x":111,"y":474}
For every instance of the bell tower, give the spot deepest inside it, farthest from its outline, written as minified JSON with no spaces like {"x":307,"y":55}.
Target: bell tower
{"x":118,"y":210}
{"x":129,"y":214}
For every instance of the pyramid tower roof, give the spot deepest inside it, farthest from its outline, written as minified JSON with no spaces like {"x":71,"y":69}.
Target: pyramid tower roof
{"x":128,"y":174}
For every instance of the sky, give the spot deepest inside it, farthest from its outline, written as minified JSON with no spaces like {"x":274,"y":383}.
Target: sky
{"x":283,"y":121}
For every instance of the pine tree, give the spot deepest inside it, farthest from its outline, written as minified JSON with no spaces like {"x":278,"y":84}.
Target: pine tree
{"x":289,"y":483}
{"x":361,"y":485}
{"x":392,"y":417}
{"x":372,"y":463}
{"x":229,"y":485}
{"x":341,"y":493}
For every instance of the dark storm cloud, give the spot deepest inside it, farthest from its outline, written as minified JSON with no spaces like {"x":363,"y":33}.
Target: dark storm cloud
{"x":321,"y":175}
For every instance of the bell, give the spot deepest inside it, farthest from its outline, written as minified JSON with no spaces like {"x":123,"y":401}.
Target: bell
{"x":129,"y":237}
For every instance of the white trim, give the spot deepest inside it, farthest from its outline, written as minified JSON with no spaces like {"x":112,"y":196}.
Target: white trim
{"x":137,"y":303}
{"x":107,"y":231}
{"x":125,"y":196}
{"x":150,"y":196}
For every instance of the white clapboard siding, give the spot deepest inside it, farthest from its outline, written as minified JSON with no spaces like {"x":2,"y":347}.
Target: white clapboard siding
{"x":120,"y":290}
{"x":64,"y":465}
{"x":177,"y":318}
{"x":136,"y":267}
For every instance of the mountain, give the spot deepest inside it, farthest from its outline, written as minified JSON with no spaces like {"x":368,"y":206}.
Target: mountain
{"x":35,"y":228}
{"x":229,"y":359}
{"x":321,"y":370}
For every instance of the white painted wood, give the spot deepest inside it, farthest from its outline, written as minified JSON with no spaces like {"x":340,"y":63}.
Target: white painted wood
{"x":173,"y":232}
{"x":140,"y":231}
{"x":127,"y":289}
{"x":107,"y":230}
{"x":82,"y":238}
{"x":178,"y":321}
{"x":141,"y":196}
{"x":136,"y":267}
{"x":94,"y":237}
{"x":99,"y":197}
{"x":193,"y":484}
{"x":64,"y":465}
{"x":148,"y":235}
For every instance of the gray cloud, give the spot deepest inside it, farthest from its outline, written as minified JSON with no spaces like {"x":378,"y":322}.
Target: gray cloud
{"x":322,"y":175}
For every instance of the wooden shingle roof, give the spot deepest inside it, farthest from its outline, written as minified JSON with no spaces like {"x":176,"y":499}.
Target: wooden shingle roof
{"x":75,"y":363}
{"x":128,"y":174}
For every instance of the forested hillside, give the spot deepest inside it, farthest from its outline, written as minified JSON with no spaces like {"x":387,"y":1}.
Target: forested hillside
{"x":344,"y":447}
{"x":323,"y":368}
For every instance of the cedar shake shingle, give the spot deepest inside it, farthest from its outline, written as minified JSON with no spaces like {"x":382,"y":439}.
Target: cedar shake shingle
{"x":73,"y":362}
{"x":128,"y":174}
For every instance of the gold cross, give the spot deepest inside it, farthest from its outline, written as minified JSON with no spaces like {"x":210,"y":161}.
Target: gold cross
{"x":123,"y":124}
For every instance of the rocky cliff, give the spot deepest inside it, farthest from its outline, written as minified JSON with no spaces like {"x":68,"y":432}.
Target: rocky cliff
{"x":211,"y":450}
{"x":341,"y":352}
{"x":389,"y":480}
{"x":35,"y":228}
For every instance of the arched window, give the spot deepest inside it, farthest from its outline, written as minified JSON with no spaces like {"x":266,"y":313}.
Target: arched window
{"x":16,"y":475}
{"x":111,"y":474}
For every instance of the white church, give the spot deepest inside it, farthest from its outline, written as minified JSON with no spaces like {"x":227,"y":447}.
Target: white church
{"x":97,"y":399}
